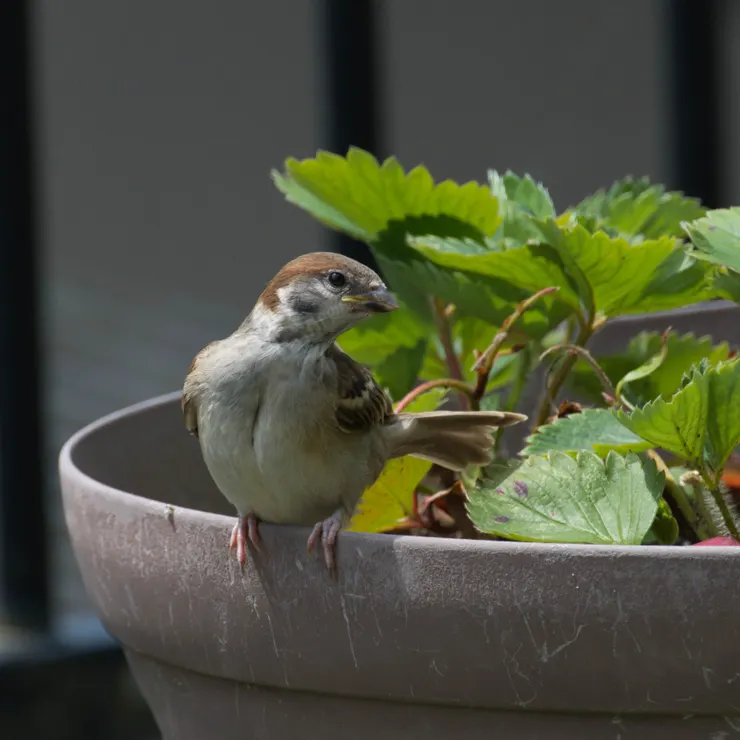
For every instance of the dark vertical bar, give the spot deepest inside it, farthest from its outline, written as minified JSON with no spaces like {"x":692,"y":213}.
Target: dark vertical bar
{"x":351,"y":89}
{"x":695,"y":83}
{"x":23,"y":554}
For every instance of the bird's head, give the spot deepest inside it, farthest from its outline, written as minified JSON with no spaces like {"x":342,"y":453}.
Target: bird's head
{"x":318,"y":296}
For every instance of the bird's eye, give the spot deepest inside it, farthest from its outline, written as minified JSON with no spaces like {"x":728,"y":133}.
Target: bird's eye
{"x":336,"y":279}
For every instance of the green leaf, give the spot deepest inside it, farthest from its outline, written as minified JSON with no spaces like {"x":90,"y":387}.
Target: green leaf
{"x":635,"y":208}
{"x":610,"y":272}
{"x":558,"y":498}
{"x":680,"y":280}
{"x":682,"y":352}
{"x":391,"y":498}
{"x":716,"y":237}
{"x":398,"y":372}
{"x":677,"y":426}
{"x":665,"y":527}
{"x":417,"y":275}
{"x":359,"y":196}
{"x":521,"y":200}
{"x":429,"y":401}
{"x":521,"y":194}
{"x":504,"y":369}
{"x":723,"y":417}
{"x":727,"y":285}
{"x":528,"y":269}
{"x":381,"y":335}
{"x":646,"y":369}
{"x":593,"y":429}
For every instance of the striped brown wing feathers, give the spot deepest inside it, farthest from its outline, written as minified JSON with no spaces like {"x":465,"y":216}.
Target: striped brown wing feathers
{"x":362,"y":403}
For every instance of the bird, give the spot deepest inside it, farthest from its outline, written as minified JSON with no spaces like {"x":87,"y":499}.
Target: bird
{"x":293,"y":430}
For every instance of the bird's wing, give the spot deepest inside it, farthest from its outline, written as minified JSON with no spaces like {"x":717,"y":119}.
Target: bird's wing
{"x":189,"y":400}
{"x":361,"y":404}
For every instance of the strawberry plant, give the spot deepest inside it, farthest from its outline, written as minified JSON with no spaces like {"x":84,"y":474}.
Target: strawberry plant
{"x":494,"y":282}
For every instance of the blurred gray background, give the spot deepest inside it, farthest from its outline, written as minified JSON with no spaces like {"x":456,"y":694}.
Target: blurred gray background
{"x":159,"y":123}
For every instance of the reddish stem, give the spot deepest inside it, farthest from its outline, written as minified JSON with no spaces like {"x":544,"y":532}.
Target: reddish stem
{"x":457,"y":385}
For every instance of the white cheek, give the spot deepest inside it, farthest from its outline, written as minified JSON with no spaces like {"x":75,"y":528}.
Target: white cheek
{"x":262,"y":319}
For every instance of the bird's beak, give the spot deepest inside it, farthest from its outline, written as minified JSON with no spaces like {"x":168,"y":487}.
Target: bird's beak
{"x":378,"y":300}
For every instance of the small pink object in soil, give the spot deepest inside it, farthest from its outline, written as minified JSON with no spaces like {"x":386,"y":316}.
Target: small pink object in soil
{"x":718,"y":542}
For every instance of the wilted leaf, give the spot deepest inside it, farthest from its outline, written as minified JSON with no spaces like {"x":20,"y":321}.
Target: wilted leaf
{"x":391,"y":498}
{"x":558,"y":498}
{"x":592,"y":429}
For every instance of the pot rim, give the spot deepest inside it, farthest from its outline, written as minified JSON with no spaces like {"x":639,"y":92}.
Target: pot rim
{"x":69,"y":470}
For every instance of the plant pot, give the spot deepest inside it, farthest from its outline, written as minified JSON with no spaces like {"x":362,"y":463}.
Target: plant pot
{"x":418,"y":638}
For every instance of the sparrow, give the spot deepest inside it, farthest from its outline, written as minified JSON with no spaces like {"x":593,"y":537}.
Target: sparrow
{"x":291,"y":428}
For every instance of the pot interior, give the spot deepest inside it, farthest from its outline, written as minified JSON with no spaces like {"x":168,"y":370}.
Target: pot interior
{"x":149,"y":453}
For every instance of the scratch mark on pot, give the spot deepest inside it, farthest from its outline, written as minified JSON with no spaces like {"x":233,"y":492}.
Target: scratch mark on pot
{"x":272,"y":635}
{"x":513,"y":668}
{"x":734,"y":678}
{"x":707,"y":675}
{"x":433,"y":666}
{"x":621,"y":621}
{"x":131,"y":601}
{"x":546,"y":655}
{"x":349,"y":632}
{"x":733,"y":722}
{"x":377,"y":624}
{"x":686,"y":649}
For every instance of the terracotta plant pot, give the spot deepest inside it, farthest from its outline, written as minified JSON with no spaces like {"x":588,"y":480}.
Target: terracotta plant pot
{"x":418,"y":638}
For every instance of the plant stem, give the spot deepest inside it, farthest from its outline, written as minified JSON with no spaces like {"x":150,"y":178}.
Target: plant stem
{"x":553,"y":386}
{"x":484,"y":363}
{"x":703,"y":525}
{"x":445,"y":335}
{"x":457,"y":385}
{"x":515,"y":393}
{"x":584,"y":354}
{"x":719,"y":498}
{"x":486,"y":360}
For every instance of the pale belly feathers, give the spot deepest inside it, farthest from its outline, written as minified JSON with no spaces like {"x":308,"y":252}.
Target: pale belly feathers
{"x":276,"y":453}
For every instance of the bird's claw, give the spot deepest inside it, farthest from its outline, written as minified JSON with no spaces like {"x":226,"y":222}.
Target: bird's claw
{"x":246,"y":528}
{"x":327,"y":532}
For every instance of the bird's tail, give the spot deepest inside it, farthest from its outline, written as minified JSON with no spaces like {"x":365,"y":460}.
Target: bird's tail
{"x":452,"y":439}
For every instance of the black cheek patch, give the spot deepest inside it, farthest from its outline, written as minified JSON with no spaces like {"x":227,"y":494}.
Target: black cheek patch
{"x":304,"y":304}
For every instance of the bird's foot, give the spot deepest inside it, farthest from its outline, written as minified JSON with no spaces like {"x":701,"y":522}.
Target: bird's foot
{"x":245,"y":529}
{"x":327,"y":532}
